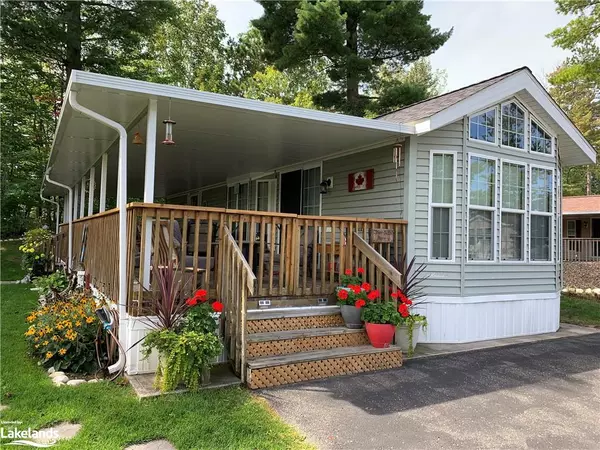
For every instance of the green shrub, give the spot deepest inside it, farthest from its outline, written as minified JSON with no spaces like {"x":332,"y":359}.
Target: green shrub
{"x":382,"y":313}
{"x":52,"y":285}
{"x":35,"y":259}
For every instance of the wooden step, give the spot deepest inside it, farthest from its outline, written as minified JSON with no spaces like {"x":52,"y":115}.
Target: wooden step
{"x":288,"y":319}
{"x":271,"y":371}
{"x":291,"y":301}
{"x":295,"y":341}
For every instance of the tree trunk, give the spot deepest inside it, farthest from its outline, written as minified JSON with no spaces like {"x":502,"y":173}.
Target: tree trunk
{"x":588,"y":181}
{"x":73,"y":39}
{"x":352,"y":45}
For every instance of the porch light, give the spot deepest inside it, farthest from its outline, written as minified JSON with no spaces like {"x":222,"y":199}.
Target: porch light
{"x":324,"y":185}
{"x":137,"y":139}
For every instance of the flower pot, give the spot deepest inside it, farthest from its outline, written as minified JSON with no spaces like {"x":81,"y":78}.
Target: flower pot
{"x":403,"y":339}
{"x":351,"y":315}
{"x":380,"y":335}
{"x":205,"y":376}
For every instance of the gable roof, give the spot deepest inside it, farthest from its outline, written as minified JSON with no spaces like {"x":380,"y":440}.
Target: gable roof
{"x":588,"y":204}
{"x":429,"y":107}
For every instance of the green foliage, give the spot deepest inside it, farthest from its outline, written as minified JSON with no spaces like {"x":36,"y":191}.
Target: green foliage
{"x":62,"y":334}
{"x":410,"y":322}
{"x":354,"y":39}
{"x":580,"y":311}
{"x":382,"y":313}
{"x":34,"y":257}
{"x":52,"y":285}
{"x":183,"y":356}
{"x":10,"y":261}
{"x":200,"y":319}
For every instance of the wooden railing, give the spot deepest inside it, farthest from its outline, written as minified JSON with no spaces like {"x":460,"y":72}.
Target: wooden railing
{"x":95,"y":249}
{"x":237,"y":284}
{"x":581,"y":249}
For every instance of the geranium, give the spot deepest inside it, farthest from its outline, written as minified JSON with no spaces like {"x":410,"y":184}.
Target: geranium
{"x":366,"y":286}
{"x":191,"y":301}
{"x":394,"y":295}
{"x":342,"y":294}
{"x":348,"y":272}
{"x":374,"y":295}
{"x":217,"y":306}
{"x":403,"y":310}
{"x":200,"y":295}
{"x":360,"y":271}
{"x":360,"y":303}
{"x":356,"y":289}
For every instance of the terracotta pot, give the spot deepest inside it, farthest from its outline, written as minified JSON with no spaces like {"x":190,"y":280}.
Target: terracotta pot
{"x":351,"y":315}
{"x":380,"y":335}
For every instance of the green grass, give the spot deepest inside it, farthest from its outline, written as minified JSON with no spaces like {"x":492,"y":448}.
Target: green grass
{"x":10,"y":261}
{"x":580,"y":311}
{"x":113,"y":417}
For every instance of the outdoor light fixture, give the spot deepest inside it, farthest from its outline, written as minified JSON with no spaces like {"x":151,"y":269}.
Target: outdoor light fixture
{"x":324,"y":185}
{"x":137,"y":139}
{"x":169,"y":128}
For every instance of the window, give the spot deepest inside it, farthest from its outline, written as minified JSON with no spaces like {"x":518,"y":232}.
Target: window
{"x":541,"y":213}
{"x":541,"y":142}
{"x":441,"y":211}
{"x":513,"y":211}
{"x":311,"y":197}
{"x":263,"y":199}
{"x":513,"y":125}
{"x":237,"y":196}
{"x":571,"y":228}
{"x":482,"y":208}
{"x":243,"y":196}
{"x":232,"y":197}
{"x":482,"y":127}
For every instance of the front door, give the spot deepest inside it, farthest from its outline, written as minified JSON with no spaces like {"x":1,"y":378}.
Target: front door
{"x":291,"y":192}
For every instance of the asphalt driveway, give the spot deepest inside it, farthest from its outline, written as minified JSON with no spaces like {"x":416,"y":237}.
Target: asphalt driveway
{"x":544,"y":395}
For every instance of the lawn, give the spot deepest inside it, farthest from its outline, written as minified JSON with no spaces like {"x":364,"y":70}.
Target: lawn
{"x":113,"y":417}
{"x":10,"y":261}
{"x":580,"y":311}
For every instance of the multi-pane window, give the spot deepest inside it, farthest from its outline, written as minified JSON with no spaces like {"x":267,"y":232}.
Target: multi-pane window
{"x":262,"y":195}
{"x":513,"y":211}
{"x":232,"y":197}
{"x":483,"y":126}
{"x":541,"y":142}
{"x":571,"y":228}
{"x":541,"y":213}
{"x":243,"y":196}
{"x":237,"y":196}
{"x":442,"y":205}
{"x":513,"y":125}
{"x":311,"y":197}
{"x":482,"y":208}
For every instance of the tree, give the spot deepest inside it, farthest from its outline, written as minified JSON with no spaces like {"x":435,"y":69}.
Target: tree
{"x":582,"y":37}
{"x":353,"y":38}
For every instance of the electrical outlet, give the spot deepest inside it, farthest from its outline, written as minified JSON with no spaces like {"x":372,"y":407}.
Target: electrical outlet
{"x":322,"y":301}
{"x":265,"y":303}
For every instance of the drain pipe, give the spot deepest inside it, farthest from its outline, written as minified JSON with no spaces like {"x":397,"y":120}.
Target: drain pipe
{"x":54,"y":203}
{"x":70,"y":190}
{"x":121,"y":204}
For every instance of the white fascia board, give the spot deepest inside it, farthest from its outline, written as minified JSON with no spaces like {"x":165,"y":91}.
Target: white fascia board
{"x":583,"y":213}
{"x":503,"y":90}
{"x":192,"y":95}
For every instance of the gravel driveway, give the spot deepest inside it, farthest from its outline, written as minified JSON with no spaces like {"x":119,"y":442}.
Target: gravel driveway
{"x":544,"y":395}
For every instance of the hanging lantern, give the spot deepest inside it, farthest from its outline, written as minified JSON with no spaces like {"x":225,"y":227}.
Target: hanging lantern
{"x":137,"y":139}
{"x":169,"y":128}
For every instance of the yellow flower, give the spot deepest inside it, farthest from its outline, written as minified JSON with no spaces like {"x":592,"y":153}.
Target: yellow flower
{"x":49,"y":355}
{"x":45,"y":342}
{"x":31,"y":318}
{"x":78,"y":323}
{"x":89,"y":319}
{"x":30,"y":331}
{"x":59,"y":326}
{"x":62,"y":351}
{"x":55,"y":338}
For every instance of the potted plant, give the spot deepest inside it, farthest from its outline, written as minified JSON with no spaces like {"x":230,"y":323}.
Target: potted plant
{"x":348,"y":293}
{"x":381,"y":319}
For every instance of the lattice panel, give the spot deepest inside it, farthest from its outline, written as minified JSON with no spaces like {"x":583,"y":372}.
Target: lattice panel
{"x":294,"y":323}
{"x":312,"y":370}
{"x":305,"y":344}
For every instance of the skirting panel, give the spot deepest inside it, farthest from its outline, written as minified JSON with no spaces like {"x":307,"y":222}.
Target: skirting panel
{"x":470,"y":319}
{"x":312,"y":370}
{"x":305,"y":344}
{"x":294,"y":323}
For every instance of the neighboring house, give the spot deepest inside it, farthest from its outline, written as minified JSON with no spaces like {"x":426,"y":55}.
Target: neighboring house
{"x":468,"y":182}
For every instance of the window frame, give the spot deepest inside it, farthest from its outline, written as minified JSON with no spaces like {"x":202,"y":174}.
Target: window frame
{"x":526,"y":116}
{"x":293,"y":168}
{"x":452,"y":207}
{"x":478,"y":113}
{"x":523,"y":211}
{"x":493,"y":209}
{"x":237,"y":194}
{"x":550,"y":214}
{"x":270,"y":191}
{"x":541,"y":125}
{"x":574,"y":222}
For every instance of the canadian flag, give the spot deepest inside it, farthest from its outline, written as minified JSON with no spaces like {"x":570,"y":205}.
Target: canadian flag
{"x":360,"y":181}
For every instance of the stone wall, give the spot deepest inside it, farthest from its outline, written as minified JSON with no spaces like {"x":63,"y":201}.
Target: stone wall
{"x":581,"y":275}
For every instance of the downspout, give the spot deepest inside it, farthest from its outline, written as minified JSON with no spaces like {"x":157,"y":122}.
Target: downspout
{"x":54,"y":203}
{"x":70,"y":190}
{"x":121,"y":204}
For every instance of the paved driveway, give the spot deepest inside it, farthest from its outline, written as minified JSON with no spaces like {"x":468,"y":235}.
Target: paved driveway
{"x":544,"y":395}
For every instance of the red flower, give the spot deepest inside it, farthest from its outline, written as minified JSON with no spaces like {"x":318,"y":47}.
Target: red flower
{"x":356,"y":289}
{"x":403,"y":298}
{"x":360,"y":303}
{"x":348,"y":272}
{"x":394,"y":295}
{"x":200,"y":295}
{"x":217,"y":306}
{"x":342,"y":294}
{"x":408,"y":301}
{"x":403,"y":310}
{"x":374,"y":295}
{"x":191,"y":301}
{"x":360,"y":270}
{"x":366,"y":286}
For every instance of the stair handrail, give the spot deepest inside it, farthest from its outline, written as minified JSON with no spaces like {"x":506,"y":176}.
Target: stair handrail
{"x":378,"y":260}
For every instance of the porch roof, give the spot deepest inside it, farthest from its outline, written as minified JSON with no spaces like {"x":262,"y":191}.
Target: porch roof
{"x":217,"y":136}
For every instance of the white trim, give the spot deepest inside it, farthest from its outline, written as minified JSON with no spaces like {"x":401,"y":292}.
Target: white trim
{"x":493,"y":209}
{"x":452,"y":237}
{"x":103,"y":176}
{"x":478,"y":113}
{"x":271,"y":184}
{"x":574,"y":222}
{"x":523,"y":211}
{"x":525,"y":122}
{"x":490,"y":298}
{"x":551,"y":214}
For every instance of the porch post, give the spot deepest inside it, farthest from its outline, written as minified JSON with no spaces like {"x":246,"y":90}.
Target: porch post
{"x":82,"y":199}
{"x":103,"y":172}
{"x":91,"y":191}
{"x":149,"y":175}
{"x":410,"y":193}
{"x":75,"y":211}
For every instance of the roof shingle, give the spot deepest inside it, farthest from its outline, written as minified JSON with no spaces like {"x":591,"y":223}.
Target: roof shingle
{"x":585,"y":204}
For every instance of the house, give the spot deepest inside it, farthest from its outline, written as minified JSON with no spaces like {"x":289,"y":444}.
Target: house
{"x":264,"y":204}
{"x":581,"y":241}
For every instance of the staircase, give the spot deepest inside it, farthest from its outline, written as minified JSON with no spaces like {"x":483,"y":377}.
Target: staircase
{"x":288,"y":345}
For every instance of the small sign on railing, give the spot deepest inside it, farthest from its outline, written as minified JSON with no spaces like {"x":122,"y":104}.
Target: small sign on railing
{"x":382,"y":236}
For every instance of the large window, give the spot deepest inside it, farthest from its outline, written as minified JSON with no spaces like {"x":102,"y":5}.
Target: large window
{"x":541,"y":142}
{"x":512,"y":211}
{"x":263,"y":195}
{"x":237,"y":196}
{"x":513,"y":125}
{"x":541,"y":214}
{"x":482,"y":208}
{"x":311,"y":197}
{"x":482,"y":127}
{"x":441,"y":206}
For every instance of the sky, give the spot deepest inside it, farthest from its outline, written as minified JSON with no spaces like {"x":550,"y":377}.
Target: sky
{"x":489,"y":38}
